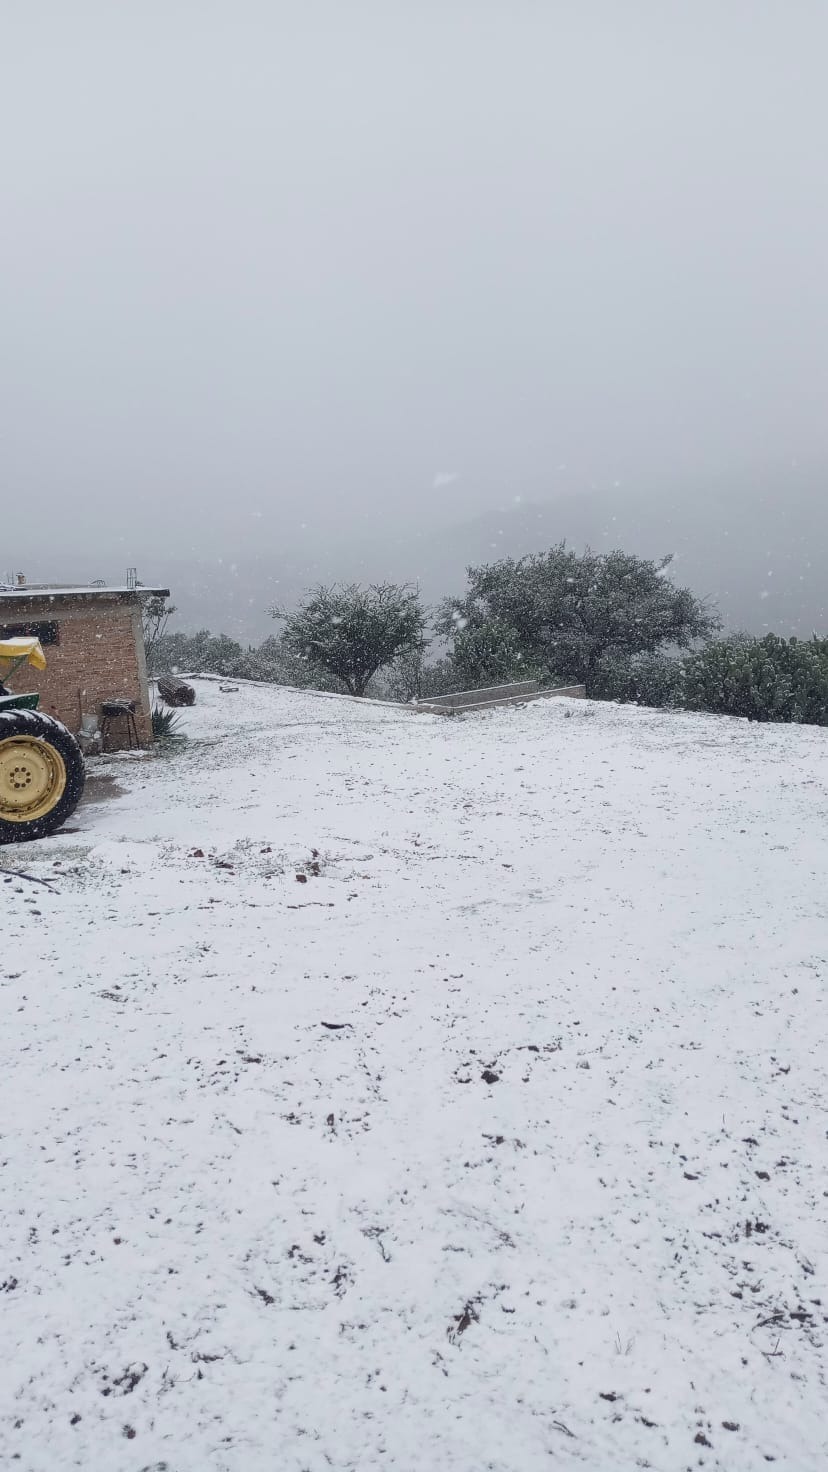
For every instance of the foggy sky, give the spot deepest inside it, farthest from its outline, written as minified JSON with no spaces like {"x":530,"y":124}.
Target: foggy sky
{"x":282,"y":271}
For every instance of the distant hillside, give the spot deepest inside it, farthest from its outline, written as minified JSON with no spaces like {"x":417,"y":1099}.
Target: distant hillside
{"x":762,"y":561}
{"x":759,"y":552}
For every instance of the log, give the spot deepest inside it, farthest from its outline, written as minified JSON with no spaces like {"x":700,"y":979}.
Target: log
{"x":174,"y":691}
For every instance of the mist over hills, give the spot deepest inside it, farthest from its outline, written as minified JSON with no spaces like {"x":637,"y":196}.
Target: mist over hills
{"x":759,"y":556}
{"x":758,"y":551}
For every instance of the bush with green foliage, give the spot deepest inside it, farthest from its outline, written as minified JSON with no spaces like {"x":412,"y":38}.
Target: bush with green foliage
{"x":768,"y":679}
{"x":200,"y":653}
{"x":560,"y":613}
{"x":642,"y":679}
{"x":273,"y":664}
{"x":488,"y":651}
{"x":353,"y":632}
{"x":411,"y":678}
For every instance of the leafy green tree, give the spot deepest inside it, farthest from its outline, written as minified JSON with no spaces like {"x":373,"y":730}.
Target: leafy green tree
{"x":352,"y":632}
{"x":562,"y":613}
{"x":200,"y":653}
{"x":412,"y":678}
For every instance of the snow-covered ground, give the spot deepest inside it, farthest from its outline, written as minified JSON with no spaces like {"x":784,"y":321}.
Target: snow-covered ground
{"x":497,"y":1143}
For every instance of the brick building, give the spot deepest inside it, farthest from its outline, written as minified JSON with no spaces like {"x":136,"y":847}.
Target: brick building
{"x":94,"y":646}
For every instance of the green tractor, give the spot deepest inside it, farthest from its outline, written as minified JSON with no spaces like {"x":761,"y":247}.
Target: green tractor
{"x":41,"y":766}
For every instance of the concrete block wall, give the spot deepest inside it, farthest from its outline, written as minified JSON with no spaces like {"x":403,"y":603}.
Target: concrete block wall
{"x":468,"y":702}
{"x":464,"y":699}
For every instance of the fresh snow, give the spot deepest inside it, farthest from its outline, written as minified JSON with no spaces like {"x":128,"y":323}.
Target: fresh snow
{"x":498,"y":1143}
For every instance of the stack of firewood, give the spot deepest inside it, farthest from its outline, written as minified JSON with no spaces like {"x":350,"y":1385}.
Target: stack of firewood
{"x":174,"y":691}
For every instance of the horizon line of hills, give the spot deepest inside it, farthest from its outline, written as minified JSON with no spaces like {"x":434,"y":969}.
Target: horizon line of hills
{"x":759,"y":555}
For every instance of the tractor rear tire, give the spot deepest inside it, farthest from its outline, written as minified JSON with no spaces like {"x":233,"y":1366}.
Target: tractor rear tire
{"x":41,"y":775}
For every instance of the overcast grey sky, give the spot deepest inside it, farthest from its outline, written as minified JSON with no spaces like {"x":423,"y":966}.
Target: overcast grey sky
{"x":265,"y":264}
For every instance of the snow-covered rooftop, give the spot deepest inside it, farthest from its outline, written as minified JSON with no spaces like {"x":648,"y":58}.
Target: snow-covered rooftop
{"x":85,"y":590}
{"x":382,"y":1092}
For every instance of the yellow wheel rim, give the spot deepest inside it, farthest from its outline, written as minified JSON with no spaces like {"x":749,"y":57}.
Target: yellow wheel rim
{"x":32,"y":779}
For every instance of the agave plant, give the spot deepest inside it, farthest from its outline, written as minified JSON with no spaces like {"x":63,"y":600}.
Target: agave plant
{"x":166,"y":725}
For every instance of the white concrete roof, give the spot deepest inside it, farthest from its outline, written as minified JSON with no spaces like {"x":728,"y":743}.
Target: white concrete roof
{"x":58,"y":590}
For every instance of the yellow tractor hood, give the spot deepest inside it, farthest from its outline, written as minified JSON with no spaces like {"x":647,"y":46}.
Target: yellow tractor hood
{"x":28,"y":649}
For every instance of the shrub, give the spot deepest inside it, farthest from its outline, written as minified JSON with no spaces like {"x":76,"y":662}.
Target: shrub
{"x":645,"y":679}
{"x":201,"y":653}
{"x":276,"y":665}
{"x":769,"y":679}
{"x":410,"y":678}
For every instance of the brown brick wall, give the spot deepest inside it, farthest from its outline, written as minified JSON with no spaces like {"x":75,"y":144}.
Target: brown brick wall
{"x":99,"y":656}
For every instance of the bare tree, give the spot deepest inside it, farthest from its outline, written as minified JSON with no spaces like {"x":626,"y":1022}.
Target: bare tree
{"x":156,"y":613}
